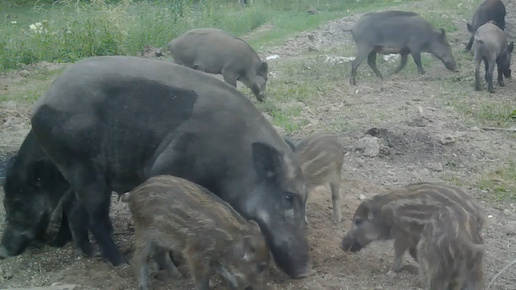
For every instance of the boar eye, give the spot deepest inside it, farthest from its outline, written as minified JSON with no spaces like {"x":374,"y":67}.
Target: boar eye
{"x":358,"y":221}
{"x":288,"y":200}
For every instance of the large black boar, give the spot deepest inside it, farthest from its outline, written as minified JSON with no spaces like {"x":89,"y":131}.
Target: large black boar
{"x":110,"y":123}
{"x":173,"y":214}
{"x":450,"y":253}
{"x":491,"y":46}
{"x":215,"y":51}
{"x":398,"y":32}
{"x":402,"y":214}
{"x":489,"y":10}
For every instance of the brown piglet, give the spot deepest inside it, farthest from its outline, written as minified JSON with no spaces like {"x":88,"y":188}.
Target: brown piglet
{"x":173,"y":214}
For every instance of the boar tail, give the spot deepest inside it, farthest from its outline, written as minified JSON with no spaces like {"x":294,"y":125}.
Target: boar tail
{"x":124,"y":197}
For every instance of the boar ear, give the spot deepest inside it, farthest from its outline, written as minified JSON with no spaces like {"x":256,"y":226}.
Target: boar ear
{"x":267,"y":160}
{"x":264,"y":68}
{"x":510,"y":47}
{"x":470,"y":27}
{"x":248,"y":247}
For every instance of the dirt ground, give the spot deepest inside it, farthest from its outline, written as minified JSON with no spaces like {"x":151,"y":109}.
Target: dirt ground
{"x":420,"y":137}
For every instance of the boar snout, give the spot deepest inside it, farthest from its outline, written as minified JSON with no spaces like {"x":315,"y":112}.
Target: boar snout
{"x":349,"y":244}
{"x":451,"y":65}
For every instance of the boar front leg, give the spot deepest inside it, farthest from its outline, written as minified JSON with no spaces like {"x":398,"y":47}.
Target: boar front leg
{"x":500,"y":77}
{"x":478,"y":87}
{"x":335,"y":198}
{"x":402,"y":242}
{"x":229,"y":76}
{"x":162,"y":257}
{"x":200,"y":269}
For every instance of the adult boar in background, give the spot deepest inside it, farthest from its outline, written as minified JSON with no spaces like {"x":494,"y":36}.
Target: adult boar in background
{"x":491,"y":46}
{"x":129,"y":119}
{"x":489,"y":10}
{"x":398,"y":32}
{"x":216,"y":51}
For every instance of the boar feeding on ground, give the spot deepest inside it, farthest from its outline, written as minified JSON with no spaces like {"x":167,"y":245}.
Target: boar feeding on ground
{"x":216,"y":51}
{"x":398,"y":32}
{"x":489,"y":10}
{"x":491,"y":46}
{"x":110,"y":123}
{"x":321,"y":157}
{"x":451,"y":251}
{"x":401,"y":214}
{"x":173,"y":214}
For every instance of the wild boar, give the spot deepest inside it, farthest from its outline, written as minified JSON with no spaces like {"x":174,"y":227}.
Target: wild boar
{"x":321,"y":157}
{"x":401,"y":214}
{"x":129,"y":119}
{"x":489,"y":10}
{"x":174,"y":214}
{"x":451,"y":251}
{"x":216,"y":51}
{"x":491,"y":46}
{"x":398,"y":32}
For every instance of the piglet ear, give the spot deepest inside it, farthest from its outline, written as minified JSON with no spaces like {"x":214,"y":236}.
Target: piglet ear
{"x":255,"y":226}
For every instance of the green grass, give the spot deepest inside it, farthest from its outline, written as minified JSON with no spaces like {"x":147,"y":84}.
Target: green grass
{"x":72,"y":30}
{"x":500,"y":183}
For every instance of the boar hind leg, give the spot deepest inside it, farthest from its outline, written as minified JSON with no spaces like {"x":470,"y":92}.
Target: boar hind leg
{"x":478,"y":86}
{"x":404,"y":58}
{"x":64,"y":235}
{"x":78,"y":222}
{"x":500,"y":77}
{"x":142,"y":254}
{"x":371,"y":61}
{"x":363,"y":52}
{"x":229,"y":76}
{"x":489,"y":76}
{"x":162,"y":257}
{"x":335,"y":198}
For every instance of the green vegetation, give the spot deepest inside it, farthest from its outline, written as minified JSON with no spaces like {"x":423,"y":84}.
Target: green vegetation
{"x":501,"y":183}
{"x":68,"y":30}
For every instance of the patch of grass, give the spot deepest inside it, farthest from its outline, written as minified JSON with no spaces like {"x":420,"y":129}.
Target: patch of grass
{"x":500,"y":183}
{"x":30,"y":89}
{"x":488,"y":111}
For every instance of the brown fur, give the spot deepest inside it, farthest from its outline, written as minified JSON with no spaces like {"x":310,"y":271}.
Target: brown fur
{"x":174,"y":214}
{"x":402,"y":214}
{"x":451,"y":251}
{"x":321,"y":158}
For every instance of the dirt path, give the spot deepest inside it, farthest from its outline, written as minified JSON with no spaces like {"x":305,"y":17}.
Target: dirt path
{"x":421,"y":136}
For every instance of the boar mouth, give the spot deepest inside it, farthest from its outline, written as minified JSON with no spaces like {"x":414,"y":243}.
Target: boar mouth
{"x":350,"y":245}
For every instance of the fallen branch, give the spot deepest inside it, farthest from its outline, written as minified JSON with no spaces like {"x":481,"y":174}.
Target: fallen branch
{"x":499,"y":129}
{"x":499,"y":273}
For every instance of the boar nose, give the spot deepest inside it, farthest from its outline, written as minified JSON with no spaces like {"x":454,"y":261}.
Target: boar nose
{"x":350,"y":245}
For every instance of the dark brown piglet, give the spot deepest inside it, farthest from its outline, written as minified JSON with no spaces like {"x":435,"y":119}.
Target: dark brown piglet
{"x":321,"y":157}
{"x":451,"y":251}
{"x":401,"y":214}
{"x":173,"y":214}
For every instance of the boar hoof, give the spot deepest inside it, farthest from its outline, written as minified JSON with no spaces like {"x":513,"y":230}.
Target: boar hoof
{"x":501,"y":84}
{"x":478,"y":88}
{"x":391,"y":273}
{"x":337,"y":219}
{"x":491,"y":91}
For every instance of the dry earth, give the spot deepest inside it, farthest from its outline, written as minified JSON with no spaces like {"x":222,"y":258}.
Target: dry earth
{"x":420,"y":137}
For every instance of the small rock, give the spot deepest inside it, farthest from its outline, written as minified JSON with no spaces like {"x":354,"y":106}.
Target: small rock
{"x":435,"y":166}
{"x":447,"y":139}
{"x":369,"y":145}
{"x":507,"y":211}
{"x":11,"y":104}
{"x":424,"y":171}
{"x":361,"y":197}
{"x":490,"y":216}
{"x":24,"y":73}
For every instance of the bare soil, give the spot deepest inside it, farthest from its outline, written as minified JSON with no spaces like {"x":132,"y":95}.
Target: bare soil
{"x":421,"y":138}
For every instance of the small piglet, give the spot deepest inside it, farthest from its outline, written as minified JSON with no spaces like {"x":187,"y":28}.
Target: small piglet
{"x":491,"y":46}
{"x":173,"y":214}
{"x":402,"y":214}
{"x":451,"y":251}
{"x":321,"y":157}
